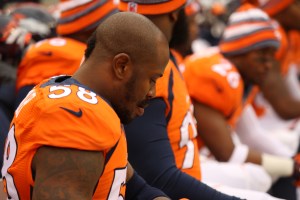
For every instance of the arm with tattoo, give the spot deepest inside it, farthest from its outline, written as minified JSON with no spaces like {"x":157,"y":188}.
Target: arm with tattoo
{"x":66,"y":173}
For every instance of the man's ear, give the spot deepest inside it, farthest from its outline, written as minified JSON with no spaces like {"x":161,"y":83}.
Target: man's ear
{"x":121,"y":65}
{"x":174,"y":16}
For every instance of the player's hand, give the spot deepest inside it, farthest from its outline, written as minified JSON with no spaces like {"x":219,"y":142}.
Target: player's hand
{"x":19,"y":36}
{"x":34,"y":26}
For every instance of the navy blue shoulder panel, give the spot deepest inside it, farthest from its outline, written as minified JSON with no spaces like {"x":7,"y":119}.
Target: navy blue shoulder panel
{"x":61,"y":80}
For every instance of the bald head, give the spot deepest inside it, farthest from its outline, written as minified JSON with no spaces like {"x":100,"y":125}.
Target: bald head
{"x":124,"y":58}
{"x":128,"y":33}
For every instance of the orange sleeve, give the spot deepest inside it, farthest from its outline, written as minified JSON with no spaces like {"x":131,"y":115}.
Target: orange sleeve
{"x":292,"y":51}
{"x":215,"y":82}
{"x":49,"y":58}
{"x":162,"y":85}
{"x":294,"y":41}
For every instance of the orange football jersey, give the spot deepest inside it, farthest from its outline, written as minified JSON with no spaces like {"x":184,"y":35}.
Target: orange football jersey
{"x":288,"y":56}
{"x":213,"y":80}
{"x":292,"y":55}
{"x":181,"y":127}
{"x":61,"y":112}
{"x":47,"y":58}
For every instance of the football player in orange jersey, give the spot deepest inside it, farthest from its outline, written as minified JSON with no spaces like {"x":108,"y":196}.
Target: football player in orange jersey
{"x":15,"y":36}
{"x":278,"y":105}
{"x":180,"y":46}
{"x":162,"y":144}
{"x":185,"y":33}
{"x":219,"y":81}
{"x":66,"y":140}
{"x":283,"y":103}
{"x":62,"y":55}
{"x":252,"y":179}
{"x":7,"y":84}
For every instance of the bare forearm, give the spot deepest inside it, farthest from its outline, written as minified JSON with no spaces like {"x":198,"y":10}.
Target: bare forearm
{"x":276,"y":91}
{"x":285,"y":105}
{"x":2,"y":193}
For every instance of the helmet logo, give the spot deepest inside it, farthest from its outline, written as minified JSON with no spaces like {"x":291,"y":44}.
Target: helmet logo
{"x":132,"y":7}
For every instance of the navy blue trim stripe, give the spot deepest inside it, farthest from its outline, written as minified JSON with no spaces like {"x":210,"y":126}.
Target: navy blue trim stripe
{"x":253,"y":19}
{"x":170,"y":95}
{"x":95,"y":24}
{"x":247,"y":91}
{"x":111,"y":151}
{"x":242,"y":36}
{"x":173,"y":59}
{"x":258,"y":45}
{"x":107,"y":158}
{"x":170,"y":88}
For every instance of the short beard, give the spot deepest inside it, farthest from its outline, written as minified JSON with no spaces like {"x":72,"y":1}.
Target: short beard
{"x":122,"y":111}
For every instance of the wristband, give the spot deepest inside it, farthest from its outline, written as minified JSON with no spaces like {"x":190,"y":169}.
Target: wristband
{"x":277,"y":166}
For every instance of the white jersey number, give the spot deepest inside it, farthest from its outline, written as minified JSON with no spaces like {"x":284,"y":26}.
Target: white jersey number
{"x":118,"y":183}
{"x":188,"y":125}
{"x":63,"y":91}
{"x":225,"y":70}
{"x":10,"y":152}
